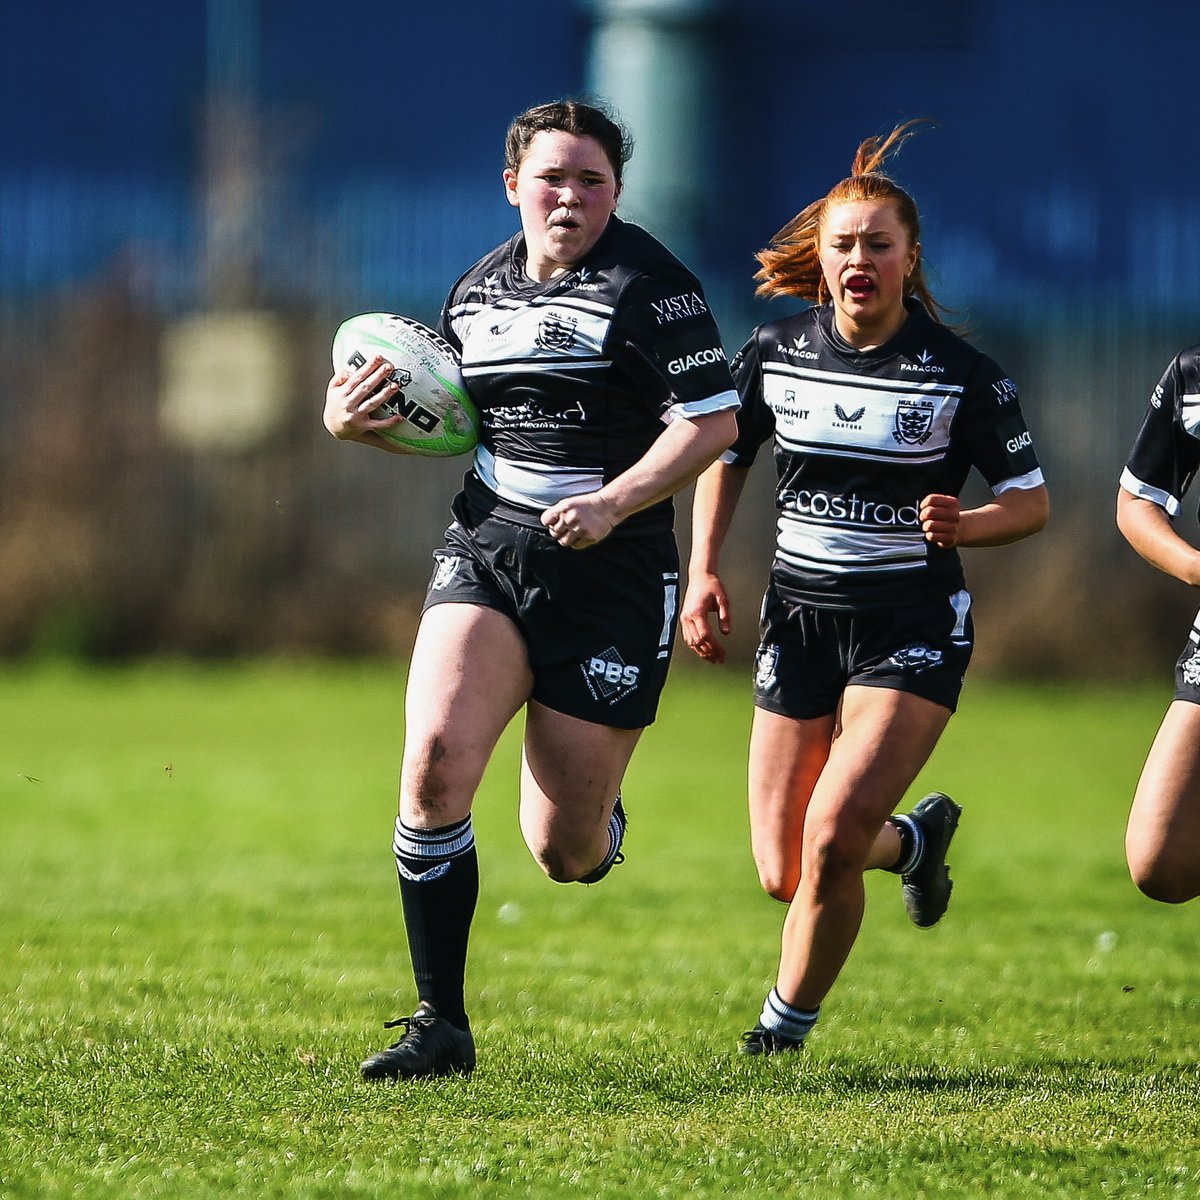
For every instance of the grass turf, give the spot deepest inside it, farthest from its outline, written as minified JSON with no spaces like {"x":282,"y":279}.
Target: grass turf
{"x":202,"y":936}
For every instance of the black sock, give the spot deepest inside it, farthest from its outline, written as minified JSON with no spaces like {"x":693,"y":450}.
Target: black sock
{"x":439,"y":885}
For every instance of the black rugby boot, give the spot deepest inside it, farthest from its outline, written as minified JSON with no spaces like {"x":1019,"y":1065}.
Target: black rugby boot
{"x":761,"y":1040}
{"x":927,"y":886}
{"x":431,"y":1047}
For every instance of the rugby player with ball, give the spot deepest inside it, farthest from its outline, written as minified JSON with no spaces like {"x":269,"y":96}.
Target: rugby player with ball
{"x":602,"y":388}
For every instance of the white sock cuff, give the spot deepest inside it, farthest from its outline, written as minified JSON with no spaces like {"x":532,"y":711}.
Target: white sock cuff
{"x":781,"y":1017}
{"x":918,"y":844}
{"x":433,"y":845}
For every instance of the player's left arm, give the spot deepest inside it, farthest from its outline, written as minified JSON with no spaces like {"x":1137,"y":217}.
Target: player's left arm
{"x":996,"y":439}
{"x":1012,"y":515}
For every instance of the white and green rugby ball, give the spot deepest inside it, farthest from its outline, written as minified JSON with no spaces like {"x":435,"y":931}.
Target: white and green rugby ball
{"x":440,"y":419}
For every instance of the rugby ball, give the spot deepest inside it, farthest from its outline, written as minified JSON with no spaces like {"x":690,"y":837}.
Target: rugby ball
{"x":440,"y":419}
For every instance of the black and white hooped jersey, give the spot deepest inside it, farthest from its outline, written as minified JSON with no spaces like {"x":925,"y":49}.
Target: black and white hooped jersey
{"x":576,"y":377}
{"x":1166,"y":452}
{"x":860,"y":438}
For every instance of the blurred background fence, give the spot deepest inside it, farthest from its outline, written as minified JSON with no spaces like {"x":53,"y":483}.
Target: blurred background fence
{"x":192,"y":196}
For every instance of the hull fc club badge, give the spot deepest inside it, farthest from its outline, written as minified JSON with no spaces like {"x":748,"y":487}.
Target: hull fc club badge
{"x":914,"y":422}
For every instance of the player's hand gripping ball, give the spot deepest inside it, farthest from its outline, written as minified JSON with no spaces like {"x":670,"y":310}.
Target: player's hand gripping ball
{"x":440,"y":419}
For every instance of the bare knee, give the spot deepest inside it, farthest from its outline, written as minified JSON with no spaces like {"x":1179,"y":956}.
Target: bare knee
{"x":833,"y":861}
{"x":779,"y":879}
{"x":432,"y":788}
{"x":558,"y":864}
{"x":1169,"y":881}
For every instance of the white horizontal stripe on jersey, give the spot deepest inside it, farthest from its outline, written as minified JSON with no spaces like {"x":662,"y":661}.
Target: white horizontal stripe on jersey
{"x":1143,"y":491}
{"x":516,"y":303}
{"x":534,"y":485}
{"x":1030,"y":479}
{"x":1189,"y":413}
{"x":476,"y":370}
{"x":861,"y":452}
{"x":843,"y":416}
{"x":700,"y":408}
{"x":810,"y":547}
{"x":534,"y":332}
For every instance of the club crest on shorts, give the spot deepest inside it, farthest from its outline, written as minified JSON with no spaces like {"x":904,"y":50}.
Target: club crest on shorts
{"x":914,"y":421}
{"x":766,"y":665}
{"x":608,"y":676}
{"x":1191,"y":670}
{"x":444,"y":571}
{"x":917,"y":657}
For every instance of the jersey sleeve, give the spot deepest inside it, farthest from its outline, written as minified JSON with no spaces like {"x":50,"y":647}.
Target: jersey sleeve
{"x":666,"y":325}
{"x":998,"y":439}
{"x":445,"y":325}
{"x":1166,"y":451}
{"x":755,"y":420}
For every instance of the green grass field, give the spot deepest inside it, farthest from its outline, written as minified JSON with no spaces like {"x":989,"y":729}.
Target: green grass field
{"x":201,"y":938}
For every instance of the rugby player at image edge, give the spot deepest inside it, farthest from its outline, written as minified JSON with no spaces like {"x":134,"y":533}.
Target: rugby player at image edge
{"x":877,"y":413}
{"x":603,"y":389}
{"x":1162,"y":836}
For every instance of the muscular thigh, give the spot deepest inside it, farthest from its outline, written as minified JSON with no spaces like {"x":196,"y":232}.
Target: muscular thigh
{"x":884,"y":738}
{"x":1165,"y":817}
{"x":571,"y":772}
{"x":828,"y":781}
{"x":468,"y":676}
{"x":787,"y":755}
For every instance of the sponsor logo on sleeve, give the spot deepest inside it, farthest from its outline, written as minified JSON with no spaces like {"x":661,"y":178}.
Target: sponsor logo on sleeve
{"x":1006,"y":391}
{"x":702,"y":358}
{"x":679,"y":308}
{"x":1019,"y":442}
{"x":1157,"y":398}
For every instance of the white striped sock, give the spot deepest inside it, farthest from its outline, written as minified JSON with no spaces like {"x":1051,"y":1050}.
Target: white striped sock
{"x":781,"y":1017}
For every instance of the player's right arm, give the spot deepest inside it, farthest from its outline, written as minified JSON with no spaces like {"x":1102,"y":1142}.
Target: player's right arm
{"x":1148,"y":529}
{"x":1162,"y":464}
{"x":717,"y":493}
{"x":352,"y":396}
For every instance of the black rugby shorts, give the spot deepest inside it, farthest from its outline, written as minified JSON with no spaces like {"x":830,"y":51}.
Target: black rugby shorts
{"x":1187,"y":668}
{"x":599,"y":624}
{"x":808,"y":656}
